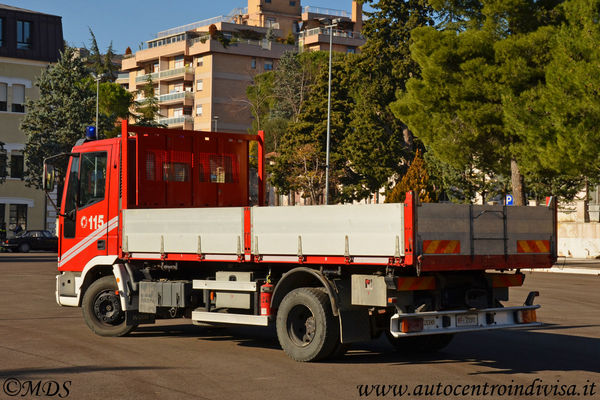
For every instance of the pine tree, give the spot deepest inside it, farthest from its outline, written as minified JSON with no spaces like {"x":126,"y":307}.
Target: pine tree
{"x":55,"y":121}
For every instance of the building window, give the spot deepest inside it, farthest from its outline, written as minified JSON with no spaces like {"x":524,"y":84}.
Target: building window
{"x":199,"y":109}
{"x":3,"y":159}
{"x":253,"y":63}
{"x":18,"y":101}
{"x":3,"y":96}
{"x":351,"y":50}
{"x":177,"y":88}
{"x":17,"y":165}
{"x":270,"y":23}
{"x":292,"y":3}
{"x":268,"y":65}
{"x":178,"y":112}
{"x":1,"y":31}
{"x":23,"y":35}
{"x":199,"y":85}
{"x":155,"y":67}
{"x":17,"y":219}
{"x":200,"y":61}
{"x":178,"y":62}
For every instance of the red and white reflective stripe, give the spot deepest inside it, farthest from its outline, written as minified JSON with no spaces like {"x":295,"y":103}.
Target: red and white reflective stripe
{"x":89,"y":239}
{"x":441,"y":246}
{"x":533,"y":246}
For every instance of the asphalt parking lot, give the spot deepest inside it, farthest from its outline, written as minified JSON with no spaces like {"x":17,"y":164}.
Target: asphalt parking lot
{"x":42,"y":342}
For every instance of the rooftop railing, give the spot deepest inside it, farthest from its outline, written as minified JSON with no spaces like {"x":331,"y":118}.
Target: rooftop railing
{"x":204,"y":22}
{"x":336,"y":33}
{"x":326,"y":11}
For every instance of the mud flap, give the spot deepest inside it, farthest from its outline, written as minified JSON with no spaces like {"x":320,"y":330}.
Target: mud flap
{"x":133,"y":317}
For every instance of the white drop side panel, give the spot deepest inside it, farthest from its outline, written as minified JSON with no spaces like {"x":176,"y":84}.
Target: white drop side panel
{"x":219,"y":230}
{"x":373,"y":230}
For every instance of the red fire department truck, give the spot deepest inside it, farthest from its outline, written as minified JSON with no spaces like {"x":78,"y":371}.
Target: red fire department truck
{"x":157,"y":224}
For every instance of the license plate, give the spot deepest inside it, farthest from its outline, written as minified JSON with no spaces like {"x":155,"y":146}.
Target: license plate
{"x":466,"y":320}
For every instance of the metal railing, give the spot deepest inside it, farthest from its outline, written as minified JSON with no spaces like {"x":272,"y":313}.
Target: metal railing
{"x":205,"y":22}
{"x":176,"y":120}
{"x":326,"y":11}
{"x":164,"y":74}
{"x":175,"y":96}
{"x":336,"y":33}
{"x":123,"y":76}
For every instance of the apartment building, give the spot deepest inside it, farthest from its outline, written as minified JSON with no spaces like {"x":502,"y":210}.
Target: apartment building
{"x":200,"y":78}
{"x":29,"y":41}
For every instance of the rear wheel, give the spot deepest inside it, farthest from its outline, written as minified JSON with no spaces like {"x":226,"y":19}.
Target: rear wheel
{"x":102,"y":308}
{"x":24,"y":248}
{"x":420,"y":344}
{"x":306,"y":327}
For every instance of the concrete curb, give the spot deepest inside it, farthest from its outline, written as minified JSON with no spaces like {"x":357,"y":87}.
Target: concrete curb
{"x":568,"y":270}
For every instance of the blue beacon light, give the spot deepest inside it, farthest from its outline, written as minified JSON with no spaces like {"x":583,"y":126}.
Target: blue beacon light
{"x":90,"y":133}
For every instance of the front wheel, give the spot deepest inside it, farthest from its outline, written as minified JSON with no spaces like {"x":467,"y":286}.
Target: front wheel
{"x":24,"y":248}
{"x":102,"y":308}
{"x":306,"y":327}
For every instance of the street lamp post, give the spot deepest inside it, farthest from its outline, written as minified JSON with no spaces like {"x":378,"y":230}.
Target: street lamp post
{"x":333,"y":24}
{"x":97,"y":78}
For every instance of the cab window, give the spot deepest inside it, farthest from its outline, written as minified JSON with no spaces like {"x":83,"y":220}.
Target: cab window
{"x":92,"y":178}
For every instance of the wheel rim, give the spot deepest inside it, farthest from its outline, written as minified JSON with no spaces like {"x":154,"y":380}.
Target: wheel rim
{"x":301,"y":325}
{"x":107,"y":308}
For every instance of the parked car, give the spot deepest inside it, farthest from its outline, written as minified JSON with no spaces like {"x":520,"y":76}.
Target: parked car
{"x":31,"y":240}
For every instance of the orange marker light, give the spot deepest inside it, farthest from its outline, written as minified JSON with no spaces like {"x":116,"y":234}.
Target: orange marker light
{"x":412,"y":325}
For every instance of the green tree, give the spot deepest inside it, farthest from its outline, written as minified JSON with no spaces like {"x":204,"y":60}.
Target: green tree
{"x":114,"y":103}
{"x":146,"y":110}
{"x":101,"y":64}
{"x":55,"y":121}
{"x":311,"y":129}
{"x":379,"y":145}
{"x":457,"y":107}
{"x":559,"y":121}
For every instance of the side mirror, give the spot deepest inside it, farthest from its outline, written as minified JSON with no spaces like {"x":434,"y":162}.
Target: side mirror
{"x":48,"y":178}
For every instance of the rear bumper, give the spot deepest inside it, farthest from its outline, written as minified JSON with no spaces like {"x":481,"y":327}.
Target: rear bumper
{"x":438,"y":322}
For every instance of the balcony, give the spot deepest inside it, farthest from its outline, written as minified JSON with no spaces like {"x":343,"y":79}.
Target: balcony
{"x":178,"y":97}
{"x":321,"y":36}
{"x":169,"y":74}
{"x":123,"y":78}
{"x":183,"y":120}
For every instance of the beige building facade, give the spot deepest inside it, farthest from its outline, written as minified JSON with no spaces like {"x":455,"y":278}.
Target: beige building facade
{"x":29,"y":41}
{"x":200,"y":81}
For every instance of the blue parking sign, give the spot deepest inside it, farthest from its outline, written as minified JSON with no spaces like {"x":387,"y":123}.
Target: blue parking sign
{"x":510,"y":201}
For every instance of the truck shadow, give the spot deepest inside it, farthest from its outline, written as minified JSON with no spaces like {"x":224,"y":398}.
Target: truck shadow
{"x":499,"y":352}
{"x":547,"y":348}
{"x":79,"y":369}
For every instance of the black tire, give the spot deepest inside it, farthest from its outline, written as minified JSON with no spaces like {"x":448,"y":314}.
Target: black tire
{"x":306,"y":327}
{"x":102,"y":309}
{"x":24,"y":248}
{"x":413,"y":345}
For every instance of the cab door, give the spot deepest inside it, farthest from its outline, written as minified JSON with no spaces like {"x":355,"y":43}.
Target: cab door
{"x":85,"y":226}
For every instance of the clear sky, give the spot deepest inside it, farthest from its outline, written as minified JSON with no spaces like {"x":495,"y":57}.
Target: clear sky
{"x":129,"y":22}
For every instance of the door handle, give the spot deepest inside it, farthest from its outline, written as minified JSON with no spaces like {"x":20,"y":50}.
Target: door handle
{"x":101,"y":244}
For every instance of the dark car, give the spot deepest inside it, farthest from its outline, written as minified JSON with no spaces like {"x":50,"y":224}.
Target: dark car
{"x":31,"y":240}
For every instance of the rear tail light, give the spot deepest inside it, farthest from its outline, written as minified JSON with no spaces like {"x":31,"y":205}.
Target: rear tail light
{"x":412,"y":325}
{"x":526,"y":316}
